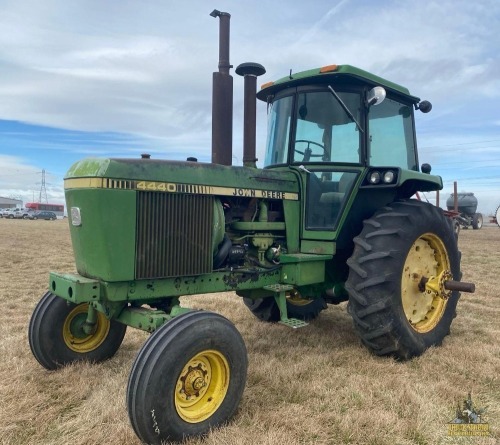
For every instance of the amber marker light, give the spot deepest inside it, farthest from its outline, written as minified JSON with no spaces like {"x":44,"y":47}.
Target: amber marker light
{"x":265,"y":85}
{"x":328,"y":68}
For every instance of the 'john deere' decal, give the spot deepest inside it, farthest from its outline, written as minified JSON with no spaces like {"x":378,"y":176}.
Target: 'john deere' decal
{"x":170,"y":187}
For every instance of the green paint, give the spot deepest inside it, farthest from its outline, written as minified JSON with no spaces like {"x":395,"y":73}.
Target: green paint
{"x":344,"y":73}
{"x":104,"y":245}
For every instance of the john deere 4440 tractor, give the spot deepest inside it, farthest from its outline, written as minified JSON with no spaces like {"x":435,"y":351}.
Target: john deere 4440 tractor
{"x":328,"y":219}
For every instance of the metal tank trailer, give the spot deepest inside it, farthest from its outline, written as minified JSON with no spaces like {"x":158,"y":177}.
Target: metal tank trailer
{"x":466,"y":206}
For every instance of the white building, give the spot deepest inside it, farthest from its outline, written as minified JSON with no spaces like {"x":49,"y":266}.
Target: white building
{"x":9,"y":203}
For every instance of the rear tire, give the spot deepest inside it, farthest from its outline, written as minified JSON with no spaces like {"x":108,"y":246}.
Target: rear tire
{"x":56,"y":338}
{"x":188,"y":378}
{"x":400,"y":244}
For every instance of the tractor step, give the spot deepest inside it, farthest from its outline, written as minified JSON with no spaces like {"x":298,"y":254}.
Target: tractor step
{"x":294,"y":323}
{"x":279,"y":287}
{"x":280,"y":291}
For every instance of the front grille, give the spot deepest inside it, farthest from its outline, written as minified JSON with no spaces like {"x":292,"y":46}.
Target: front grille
{"x":174,"y":235}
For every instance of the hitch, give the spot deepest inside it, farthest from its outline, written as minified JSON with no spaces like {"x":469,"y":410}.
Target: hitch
{"x":443,"y":285}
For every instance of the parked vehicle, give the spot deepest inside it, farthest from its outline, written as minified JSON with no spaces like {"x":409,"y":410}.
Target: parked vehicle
{"x":58,"y":209}
{"x":21,"y":213}
{"x":10,"y":213}
{"x":467,"y":206}
{"x":43,"y":215}
{"x":4,"y":213}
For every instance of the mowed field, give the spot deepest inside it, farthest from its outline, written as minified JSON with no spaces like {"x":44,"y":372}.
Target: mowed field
{"x":316,"y":385}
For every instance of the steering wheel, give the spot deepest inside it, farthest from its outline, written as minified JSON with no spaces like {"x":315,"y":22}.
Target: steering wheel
{"x":307,"y":153}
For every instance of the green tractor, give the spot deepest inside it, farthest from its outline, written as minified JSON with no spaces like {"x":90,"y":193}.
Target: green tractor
{"x":328,"y":219}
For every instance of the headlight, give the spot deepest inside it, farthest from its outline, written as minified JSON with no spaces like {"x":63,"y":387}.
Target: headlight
{"x":388,"y":177}
{"x":375,"y":178}
{"x":76,"y":218}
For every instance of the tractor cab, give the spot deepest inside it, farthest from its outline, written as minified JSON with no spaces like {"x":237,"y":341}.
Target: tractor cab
{"x":341,"y":128}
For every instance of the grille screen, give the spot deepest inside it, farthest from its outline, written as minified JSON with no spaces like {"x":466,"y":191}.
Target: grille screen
{"x":174,"y":235}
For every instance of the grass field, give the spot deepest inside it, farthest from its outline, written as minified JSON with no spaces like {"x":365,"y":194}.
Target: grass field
{"x":315,"y":385}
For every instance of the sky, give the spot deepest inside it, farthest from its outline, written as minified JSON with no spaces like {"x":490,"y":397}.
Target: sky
{"x":86,"y":78}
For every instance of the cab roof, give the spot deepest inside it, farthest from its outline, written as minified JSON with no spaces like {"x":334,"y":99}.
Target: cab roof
{"x":335,"y":75}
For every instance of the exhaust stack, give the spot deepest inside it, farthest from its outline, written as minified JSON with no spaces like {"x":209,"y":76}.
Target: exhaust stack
{"x":222,"y":97}
{"x":250,"y":71}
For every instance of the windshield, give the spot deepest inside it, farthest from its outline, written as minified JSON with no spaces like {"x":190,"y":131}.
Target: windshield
{"x":278,"y":131}
{"x":324,"y":132}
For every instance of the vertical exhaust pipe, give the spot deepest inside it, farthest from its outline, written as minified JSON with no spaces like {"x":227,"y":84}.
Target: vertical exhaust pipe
{"x":222,"y":97}
{"x":250,"y":71}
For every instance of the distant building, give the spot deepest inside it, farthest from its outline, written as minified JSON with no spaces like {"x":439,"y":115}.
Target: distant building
{"x":9,"y":203}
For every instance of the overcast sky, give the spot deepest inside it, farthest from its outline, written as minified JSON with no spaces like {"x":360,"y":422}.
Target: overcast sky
{"x":119,"y":78}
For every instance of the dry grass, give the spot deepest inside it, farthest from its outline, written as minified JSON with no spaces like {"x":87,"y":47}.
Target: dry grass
{"x":315,"y":385}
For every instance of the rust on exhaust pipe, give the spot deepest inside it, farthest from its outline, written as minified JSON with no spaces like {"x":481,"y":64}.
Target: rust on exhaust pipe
{"x":222,"y":97}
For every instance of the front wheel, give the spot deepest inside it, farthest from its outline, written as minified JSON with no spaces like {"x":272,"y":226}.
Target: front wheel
{"x":188,"y":378}
{"x":399,"y":247}
{"x":56,"y":335}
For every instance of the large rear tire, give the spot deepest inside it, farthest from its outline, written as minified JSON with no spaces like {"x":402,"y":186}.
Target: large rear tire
{"x":188,"y":378}
{"x":56,"y":335}
{"x":398,"y":246}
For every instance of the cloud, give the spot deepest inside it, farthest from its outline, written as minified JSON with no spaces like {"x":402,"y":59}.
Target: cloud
{"x":137,"y":77}
{"x":21,"y":180}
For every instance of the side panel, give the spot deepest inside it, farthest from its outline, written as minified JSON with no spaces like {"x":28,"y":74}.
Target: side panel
{"x":104,"y":245}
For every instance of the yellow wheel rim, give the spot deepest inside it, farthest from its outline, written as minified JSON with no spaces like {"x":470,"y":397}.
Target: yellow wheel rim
{"x":427,"y":258}
{"x":202,"y":386}
{"x":74,"y":336}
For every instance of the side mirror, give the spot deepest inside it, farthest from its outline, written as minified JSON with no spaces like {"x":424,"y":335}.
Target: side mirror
{"x":375,"y":96}
{"x":425,"y":106}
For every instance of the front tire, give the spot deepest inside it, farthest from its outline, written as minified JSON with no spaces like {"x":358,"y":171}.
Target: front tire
{"x":56,"y":337}
{"x":398,"y":246}
{"x":188,"y":378}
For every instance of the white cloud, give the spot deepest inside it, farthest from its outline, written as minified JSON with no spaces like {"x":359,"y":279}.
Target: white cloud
{"x":21,"y":180}
{"x":144,"y":68}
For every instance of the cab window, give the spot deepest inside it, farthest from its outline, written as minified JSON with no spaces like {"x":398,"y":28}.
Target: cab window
{"x":327,"y":194}
{"x":391,"y":138}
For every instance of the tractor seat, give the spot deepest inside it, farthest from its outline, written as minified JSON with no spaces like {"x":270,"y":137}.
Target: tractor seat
{"x":345,"y":183}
